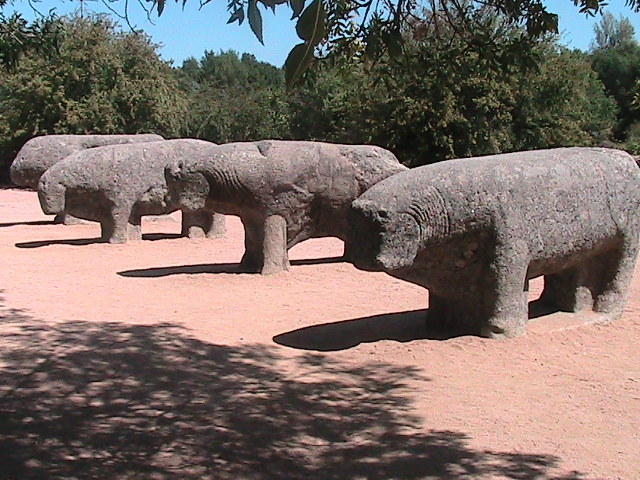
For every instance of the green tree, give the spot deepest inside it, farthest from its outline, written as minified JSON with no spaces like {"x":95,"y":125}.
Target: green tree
{"x":561,"y":104}
{"x":444,"y":99}
{"x":616,"y":58}
{"x":351,"y":27}
{"x":611,"y":32}
{"x":234,"y":98}
{"x":346,"y":27}
{"x":18,"y":36}
{"x":102,"y":80}
{"x":337,"y":105}
{"x":229,"y":69}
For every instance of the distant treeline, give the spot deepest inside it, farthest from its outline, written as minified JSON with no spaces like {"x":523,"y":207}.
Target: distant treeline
{"x":437,"y":100}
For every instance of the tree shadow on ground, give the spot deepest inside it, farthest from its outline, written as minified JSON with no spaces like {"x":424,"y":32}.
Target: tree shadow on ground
{"x":97,"y":400}
{"x":214,"y":268}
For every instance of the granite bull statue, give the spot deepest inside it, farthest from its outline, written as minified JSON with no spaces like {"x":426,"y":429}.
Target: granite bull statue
{"x":474,"y":231}
{"x":117,"y":184}
{"x":283,"y":191}
{"x":40,"y":153}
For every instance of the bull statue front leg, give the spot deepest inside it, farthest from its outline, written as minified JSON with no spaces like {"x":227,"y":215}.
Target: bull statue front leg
{"x":274,"y":249}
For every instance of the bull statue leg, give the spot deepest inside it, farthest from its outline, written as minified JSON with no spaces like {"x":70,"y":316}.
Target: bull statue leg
{"x":252,"y":260}
{"x":599,"y":283}
{"x":274,"y":253}
{"x":115,"y":228}
{"x":572,"y":289}
{"x":265,"y":241}
{"x":134,"y":227}
{"x":506,"y":293}
{"x":202,"y":224}
{"x":618,"y":272}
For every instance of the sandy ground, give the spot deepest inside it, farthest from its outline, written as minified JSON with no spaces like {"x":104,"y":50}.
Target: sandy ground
{"x":157,"y":359}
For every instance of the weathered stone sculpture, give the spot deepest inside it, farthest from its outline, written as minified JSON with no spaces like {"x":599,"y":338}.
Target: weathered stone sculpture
{"x":474,"y":231}
{"x":40,"y":153}
{"x":283,"y":191}
{"x":116,"y":185}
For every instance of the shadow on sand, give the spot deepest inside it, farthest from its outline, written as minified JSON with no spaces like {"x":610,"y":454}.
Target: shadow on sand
{"x":90,"y":241}
{"x":327,"y":337}
{"x":97,"y":399}
{"x":401,"y":327}
{"x":214,"y":268}
{"x":31,"y":223}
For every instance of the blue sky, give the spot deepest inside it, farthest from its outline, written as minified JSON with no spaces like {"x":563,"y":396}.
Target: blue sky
{"x":189,"y":32}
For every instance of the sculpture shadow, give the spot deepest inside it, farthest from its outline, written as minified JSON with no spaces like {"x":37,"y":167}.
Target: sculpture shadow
{"x":213,"y":268}
{"x":401,"y":327}
{"x":90,"y":241}
{"x":161,"y":236}
{"x":538,"y":308}
{"x":93,"y":399}
{"x":71,"y":241}
{"x":328,"y":337}
{"x":31,"y":223}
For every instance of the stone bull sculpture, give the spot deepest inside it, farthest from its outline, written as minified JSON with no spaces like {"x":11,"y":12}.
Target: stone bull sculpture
{"x":40,"y":153}
{"x":117,"y":184}
{"x":283,"y":191}
{"x":474,"y":231}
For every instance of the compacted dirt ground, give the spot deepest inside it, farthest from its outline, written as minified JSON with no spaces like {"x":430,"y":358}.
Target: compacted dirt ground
{"x":158,"y":359}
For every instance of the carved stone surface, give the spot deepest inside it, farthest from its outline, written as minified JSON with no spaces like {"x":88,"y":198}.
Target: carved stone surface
{"x":116,"y":185}
{"x":40,"y":153}
{"x":283,"y":191}
{"x":474,"y":231}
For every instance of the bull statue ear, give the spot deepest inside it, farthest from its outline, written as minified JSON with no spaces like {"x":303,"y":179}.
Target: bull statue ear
{"x":400,"y":242}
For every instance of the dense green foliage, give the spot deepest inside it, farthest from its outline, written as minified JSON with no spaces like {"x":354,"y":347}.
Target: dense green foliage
{"x":18,"y":36}
{"x":440,"y":99}
{"x":616,"y":59}
{"x":234,"y":99}
{"x":336,"y":28}
{"x":101,"y":81}
{"x":347,"y":28}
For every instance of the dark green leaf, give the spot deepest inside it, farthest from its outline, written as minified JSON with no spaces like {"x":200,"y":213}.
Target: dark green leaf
{"x":393,"y":40}
{"x":160,"y":7}
{"x":372,"y":47}
{"x":297,"y":6}
{"x":311,"y":24}
{"x":238,"y":16}
{"x":272,"y":4}
{"x":255,"y":20}
{"x":297,"y":62}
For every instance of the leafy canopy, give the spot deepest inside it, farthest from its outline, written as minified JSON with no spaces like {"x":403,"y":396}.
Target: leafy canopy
{"x":102,"y":80}
{"x":18,"y":36}
{"x":352,"y":27}
{"x":326,"y":28}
